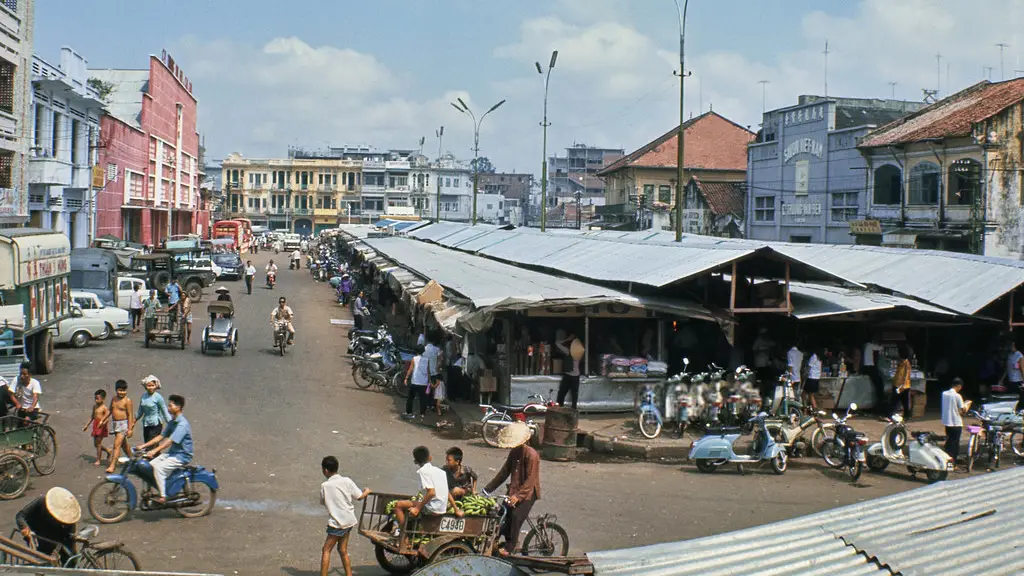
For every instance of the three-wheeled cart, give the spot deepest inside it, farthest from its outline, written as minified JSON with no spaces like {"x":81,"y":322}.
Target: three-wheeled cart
{"x":23,"y":442}
{"x":425,"y":538}
{"x":221,"y":334}
{"x":168,"y":327}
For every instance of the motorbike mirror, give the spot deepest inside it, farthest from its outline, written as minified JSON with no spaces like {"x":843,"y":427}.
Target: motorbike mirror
{"x":686,"y":361}
{"x":89,"y":532}
{"x":853,"y":407}
{"x":834,"y":417}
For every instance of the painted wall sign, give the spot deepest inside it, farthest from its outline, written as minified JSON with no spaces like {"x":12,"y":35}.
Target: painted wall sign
{"x":865,"y":227}
{"x":803,"y":146}
{"x":803,"y":115}
{"x":801,"y":209}
{"x":596,"y":311}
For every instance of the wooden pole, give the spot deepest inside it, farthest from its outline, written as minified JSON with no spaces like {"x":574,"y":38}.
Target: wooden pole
{"x":732,"y":295}
{"x":1010,"y":319}
{"x":789,"y":303}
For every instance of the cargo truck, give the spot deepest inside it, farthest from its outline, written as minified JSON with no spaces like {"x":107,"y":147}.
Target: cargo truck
{"x":35,"y":268}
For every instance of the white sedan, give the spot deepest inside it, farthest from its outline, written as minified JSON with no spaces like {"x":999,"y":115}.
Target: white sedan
{"x":117,"y":320}
{"x":79,"y":329}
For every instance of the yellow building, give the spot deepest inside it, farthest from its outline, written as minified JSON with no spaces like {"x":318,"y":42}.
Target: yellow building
{"x":297,"y":194}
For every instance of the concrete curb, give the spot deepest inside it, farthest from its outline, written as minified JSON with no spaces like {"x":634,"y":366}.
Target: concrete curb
{"x":605,"y":444}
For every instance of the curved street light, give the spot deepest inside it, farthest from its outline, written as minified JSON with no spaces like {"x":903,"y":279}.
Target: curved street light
{"x":462,"y":107}
{"x":544,"y":159}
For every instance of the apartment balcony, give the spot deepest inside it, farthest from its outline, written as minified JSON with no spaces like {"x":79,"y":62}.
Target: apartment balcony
{"x":46,"y":170}
{"x":373,"y":190}
{"x":373,"y":165}
{"x":393,"y":190}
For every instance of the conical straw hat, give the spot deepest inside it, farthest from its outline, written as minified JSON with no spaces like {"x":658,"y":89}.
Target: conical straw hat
{"x":63,"y":506}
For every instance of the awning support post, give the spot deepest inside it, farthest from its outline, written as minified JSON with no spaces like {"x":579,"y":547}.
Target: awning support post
{"x":732,"y":294}
{"x":586,"y":346}
{"x":789,"y":303}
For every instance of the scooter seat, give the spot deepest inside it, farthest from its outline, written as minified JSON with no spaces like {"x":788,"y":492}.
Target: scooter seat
{"x":722,"y":430}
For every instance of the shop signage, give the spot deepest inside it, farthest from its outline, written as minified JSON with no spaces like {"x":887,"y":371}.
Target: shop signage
{"x":865,"y":227}
{"x":99,"y":177}
{"x":804,"y":115}
{"x":803,"y":146}
{"x":178,"y":73}
{"x":801,"y":209}
{"x":595,"y":311}
{"x":44,"y":258}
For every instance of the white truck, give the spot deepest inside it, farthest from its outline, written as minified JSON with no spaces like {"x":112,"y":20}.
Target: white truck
{"x":35,"y":267}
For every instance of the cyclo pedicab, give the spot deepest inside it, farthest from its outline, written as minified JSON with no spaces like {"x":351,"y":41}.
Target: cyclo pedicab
{"x":25,"y":441}
{"x":168,"y":327}
{"x":221,"y":334}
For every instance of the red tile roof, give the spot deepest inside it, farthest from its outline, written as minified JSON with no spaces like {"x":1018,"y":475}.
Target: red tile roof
{"x":950,"y":117}
{"x":713,"y":142}
{"x":722,"y":197}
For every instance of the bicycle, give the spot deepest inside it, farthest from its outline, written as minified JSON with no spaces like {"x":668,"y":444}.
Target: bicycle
{"x":544,"y":538}
{"x":99,"y":556}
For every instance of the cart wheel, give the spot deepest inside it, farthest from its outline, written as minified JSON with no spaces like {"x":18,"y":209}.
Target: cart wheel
{"x":234,"y":342}
{"x":202,"y":346}
{"x":145,"y":340}
{"x":45,"y":449}
{"x":456,"y":548}
{"x":393,"y":563}
{"x":13,"y":476}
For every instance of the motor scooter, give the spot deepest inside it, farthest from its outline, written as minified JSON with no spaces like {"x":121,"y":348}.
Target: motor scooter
{"x":917,"y":453}
{"x":271,"y":280}
{"x":191,"y":490}
{"x":715,"y":449}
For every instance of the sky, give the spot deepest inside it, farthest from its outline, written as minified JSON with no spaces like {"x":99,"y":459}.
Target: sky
{"x":313,"y":73}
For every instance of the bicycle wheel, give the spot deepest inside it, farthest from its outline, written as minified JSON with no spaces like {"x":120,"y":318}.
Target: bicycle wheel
{"x":649,"y":424}
{"x":109,"y":559}
{"x":972,"y":452}
{"x":546,"y":539}
{"x":398,"y":384}
{"x":361,"y":376}
{"x":13,"y":476}
{"x":45,"y":448}
{"x":108,"y":502}
{"x":492,"y":425}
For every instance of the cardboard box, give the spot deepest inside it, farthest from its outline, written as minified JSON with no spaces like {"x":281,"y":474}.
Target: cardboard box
{"x":918,"y":400}
{"x":825,"y":401}
{"x":488,"y":383}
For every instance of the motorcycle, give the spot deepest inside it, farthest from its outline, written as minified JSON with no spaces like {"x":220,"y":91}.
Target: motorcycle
{"x":715,"y":449}
{"x":917,"y":453}
{"x":271,"y":280}
{"x":791,"y":437}
{"x":989,"y":438}
{"x":281,"y":336}
{"x":293,"y":264}
{"x":845,"y":449}
{"x":494,"y":420}
{"x":786,"y":404}
{"x":191,"y":491}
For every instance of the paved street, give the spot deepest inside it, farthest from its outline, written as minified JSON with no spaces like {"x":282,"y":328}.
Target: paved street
{"x":264,"y":422}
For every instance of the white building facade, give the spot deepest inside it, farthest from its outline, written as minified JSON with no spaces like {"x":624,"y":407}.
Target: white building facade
{"x":16,"y":25}
{"x":450,"y":182}
{"x":64,"y":113}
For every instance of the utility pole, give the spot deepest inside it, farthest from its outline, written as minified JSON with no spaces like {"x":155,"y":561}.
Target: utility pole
{"x":764,"y":95}
{"x":544,"y":153}
{"x":938,"y":74}
{"x":437,"y":177}
{"x":892,"y":90}
{"x":680,"y":155}
{"x":462,"y":107}
{"x":1002,"y":71}
{"x":826,"y":53}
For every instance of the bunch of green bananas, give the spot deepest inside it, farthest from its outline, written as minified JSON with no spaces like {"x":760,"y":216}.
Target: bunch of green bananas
{"x":419,"y":540}
{"x":474,"y":505}
{"x":390,"y":507}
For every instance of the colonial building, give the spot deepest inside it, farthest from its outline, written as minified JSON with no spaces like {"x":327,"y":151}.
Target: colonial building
{"x":16,"y":24}
{"x":805,"y":176}
{"x":65,"y":114}
{"x":149,"y":151}
{"x":948,"y":177}
{"x":302,"y":193}
{"x":643,"y":183}
{"x":446,"y":180}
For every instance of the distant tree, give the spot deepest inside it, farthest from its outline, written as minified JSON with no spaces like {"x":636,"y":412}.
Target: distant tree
{"x":483,"y":165}
{"x":102,"y":88}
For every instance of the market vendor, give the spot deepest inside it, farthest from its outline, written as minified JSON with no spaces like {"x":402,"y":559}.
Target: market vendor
{"x":574,"y":350}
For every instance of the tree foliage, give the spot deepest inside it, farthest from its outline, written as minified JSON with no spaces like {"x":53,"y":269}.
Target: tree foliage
{"x":483,"y":165}
{"x":102,"y":88}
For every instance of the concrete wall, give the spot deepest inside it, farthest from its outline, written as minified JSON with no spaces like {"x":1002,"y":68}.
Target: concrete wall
{"x":121,"y":146}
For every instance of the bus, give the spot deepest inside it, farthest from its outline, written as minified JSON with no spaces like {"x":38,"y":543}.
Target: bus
{"x":232,"y":229}
{"x":246,"y":230}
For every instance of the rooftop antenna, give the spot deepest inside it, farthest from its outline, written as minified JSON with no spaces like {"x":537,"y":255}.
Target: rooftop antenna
{"x":826,"y":52}
{"x":440,"y":138}
{"x":938,"y":73}
{"x":1002,"y":72}
{"x":892,"y":89}
{"x":764,"y":94}
{"x":986,"y":71}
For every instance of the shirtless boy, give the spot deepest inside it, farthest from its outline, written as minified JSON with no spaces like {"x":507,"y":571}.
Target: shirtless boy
{"x":122,"y":415}
{"x":98,"y":424}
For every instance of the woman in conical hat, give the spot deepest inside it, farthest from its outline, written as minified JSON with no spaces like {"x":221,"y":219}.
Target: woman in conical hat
{"x":52,"y":517}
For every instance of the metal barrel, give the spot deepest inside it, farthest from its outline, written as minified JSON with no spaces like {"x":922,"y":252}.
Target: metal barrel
{"x":559,"y":435}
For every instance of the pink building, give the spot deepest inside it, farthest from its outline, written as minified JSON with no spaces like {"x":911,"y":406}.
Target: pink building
{"x":149,"y":148}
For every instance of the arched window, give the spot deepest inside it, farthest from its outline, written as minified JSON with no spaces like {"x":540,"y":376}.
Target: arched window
{"x":964,"y":182}
{"x":924,"y":183}
{"x":888,"y":184}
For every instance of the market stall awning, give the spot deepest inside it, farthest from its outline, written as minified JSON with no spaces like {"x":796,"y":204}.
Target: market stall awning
{"x":819,"y":301}
{"x":491,"y":286}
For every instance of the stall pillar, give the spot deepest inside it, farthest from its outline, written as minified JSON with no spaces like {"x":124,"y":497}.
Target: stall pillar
{"x":586,"y":347}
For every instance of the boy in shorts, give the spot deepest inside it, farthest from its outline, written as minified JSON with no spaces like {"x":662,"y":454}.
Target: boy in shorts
{"x":337,"y":494}
{"x":98,"y":422}
{"x":122,"y":416}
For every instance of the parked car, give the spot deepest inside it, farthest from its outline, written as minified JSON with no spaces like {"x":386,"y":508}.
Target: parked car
{"x":78,"y":330}
{"x":117,"y":320}
{"x":231,"y":265}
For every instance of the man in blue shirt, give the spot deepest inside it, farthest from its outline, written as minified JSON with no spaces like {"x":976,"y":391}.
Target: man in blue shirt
{"x":173,"y":292}
{"x":174,"y":446}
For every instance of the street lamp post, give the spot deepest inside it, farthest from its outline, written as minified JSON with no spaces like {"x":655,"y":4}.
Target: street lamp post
{"x":544,"y":160}
{"x":682,"y":133}
{"x":462,"y":107}
{"x":437,"y":176}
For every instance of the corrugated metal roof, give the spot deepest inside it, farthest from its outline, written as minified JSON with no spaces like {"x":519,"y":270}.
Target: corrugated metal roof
{"x":971,"y":526}
{"x":818,"y":301}
{"x":125,"y":99}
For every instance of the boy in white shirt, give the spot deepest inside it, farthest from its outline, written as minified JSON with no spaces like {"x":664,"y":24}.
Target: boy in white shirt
{"x":953,"y":408}
{"x":434,"y":485}
{"x":337,"y":494}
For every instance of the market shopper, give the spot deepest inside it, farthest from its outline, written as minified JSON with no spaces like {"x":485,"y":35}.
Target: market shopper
{"x":794,"y":364}
{"x":953,"y":409}
{"x":901,"y":384}
{"x":573,"y":350}
{"x":417,"y":378}
{"x":813,"y":383}
{"x":1013,"y":377}
{"x":359,"y":311}
{"x":869,"y":367}
{"x":523,"y":466}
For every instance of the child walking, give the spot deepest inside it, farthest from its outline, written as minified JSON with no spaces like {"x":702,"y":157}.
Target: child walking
{"x":98,"y":421}
{"x":337,"y":494}
{"x":122,"y":415}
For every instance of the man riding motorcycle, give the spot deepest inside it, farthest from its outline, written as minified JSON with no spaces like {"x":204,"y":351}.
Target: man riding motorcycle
{"x":283,"y":313}
{"x":271,"y":273}
{"x":296,"y":259}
